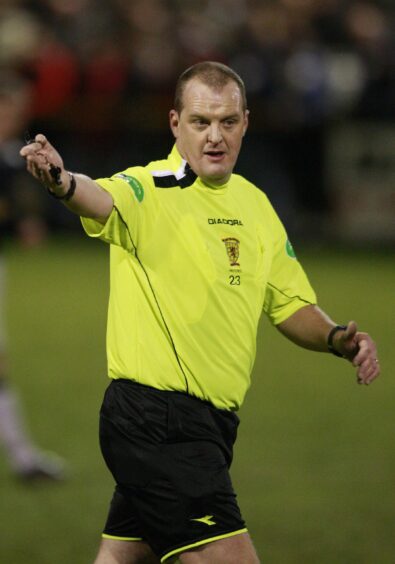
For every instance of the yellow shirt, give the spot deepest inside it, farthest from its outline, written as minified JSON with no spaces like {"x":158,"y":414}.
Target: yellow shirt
{"x":191,"y":268}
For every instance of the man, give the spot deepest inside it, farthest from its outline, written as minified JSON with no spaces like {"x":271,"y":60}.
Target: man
{"x":196,"y":253}
{"x":27,"y":461}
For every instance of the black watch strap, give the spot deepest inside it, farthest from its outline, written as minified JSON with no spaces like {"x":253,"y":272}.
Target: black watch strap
{"x":329,"y":341}
{"x":70,"y":192}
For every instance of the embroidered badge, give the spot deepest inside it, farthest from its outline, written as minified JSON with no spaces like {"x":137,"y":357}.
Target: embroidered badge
{"x":232,"y":246}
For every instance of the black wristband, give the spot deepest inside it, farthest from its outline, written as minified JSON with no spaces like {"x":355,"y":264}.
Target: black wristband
{"x":329,"y":340}
{"x":70,"y":192}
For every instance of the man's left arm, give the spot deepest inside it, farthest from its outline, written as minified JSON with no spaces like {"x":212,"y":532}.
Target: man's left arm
{"x":310,"y":327}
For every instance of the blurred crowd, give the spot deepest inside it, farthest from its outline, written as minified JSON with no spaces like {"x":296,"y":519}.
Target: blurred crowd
{"x":91,"y":62}
{"x":97,"y":67}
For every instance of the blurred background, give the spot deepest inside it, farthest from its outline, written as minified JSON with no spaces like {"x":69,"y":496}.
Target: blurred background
{"x":98,"y":79}
{"x":315,"y":461}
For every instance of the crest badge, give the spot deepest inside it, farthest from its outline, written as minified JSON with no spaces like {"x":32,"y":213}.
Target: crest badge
{"x":232,"y":246}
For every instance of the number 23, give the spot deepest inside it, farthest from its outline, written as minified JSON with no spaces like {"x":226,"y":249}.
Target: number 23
{"x":234,"y":280}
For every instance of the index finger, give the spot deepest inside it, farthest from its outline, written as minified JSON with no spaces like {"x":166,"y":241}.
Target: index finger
{"x":31,"y":149}
{"x":33,"y":145}
{"x":40,"y":138}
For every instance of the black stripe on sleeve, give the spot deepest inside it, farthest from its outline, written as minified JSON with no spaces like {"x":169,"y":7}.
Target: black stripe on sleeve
{"x":290,"y":297}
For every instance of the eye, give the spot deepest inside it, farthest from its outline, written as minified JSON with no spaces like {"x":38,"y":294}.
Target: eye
{"x":229,"y":123}
{"x":199,"y":122}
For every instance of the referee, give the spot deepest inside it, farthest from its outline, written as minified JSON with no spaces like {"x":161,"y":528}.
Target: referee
{"x":197,"y":253}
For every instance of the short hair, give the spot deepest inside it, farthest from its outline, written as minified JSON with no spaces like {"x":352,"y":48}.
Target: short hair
{"x":213,"y":74}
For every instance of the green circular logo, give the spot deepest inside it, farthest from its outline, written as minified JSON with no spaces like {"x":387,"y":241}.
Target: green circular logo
{"x":290,"y":250}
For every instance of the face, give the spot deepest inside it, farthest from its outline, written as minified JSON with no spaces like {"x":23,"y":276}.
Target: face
{"x":209,"y":129}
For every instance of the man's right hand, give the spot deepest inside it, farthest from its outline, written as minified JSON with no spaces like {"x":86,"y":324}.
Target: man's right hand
{"x":42,"y":158}
{"x":85,"y":197}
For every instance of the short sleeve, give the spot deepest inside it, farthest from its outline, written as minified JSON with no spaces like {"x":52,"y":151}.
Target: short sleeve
{"x":288,"y":288}
{"x":134,"y":211}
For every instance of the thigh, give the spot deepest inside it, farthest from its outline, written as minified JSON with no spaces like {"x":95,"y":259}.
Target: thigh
{"x":232,"y":550}
{"x":113,"y":551}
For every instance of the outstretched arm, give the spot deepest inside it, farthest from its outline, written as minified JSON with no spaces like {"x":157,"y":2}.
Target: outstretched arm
{"x":309,"y":327}
{"x":45,"y":163}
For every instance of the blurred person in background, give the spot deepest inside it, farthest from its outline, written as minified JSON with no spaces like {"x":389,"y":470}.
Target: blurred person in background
{"x":197,"y":253}
{"x":19,"y":211}
{"x":103,"y":73}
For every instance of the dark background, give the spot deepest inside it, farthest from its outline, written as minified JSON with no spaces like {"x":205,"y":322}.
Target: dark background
{"x":100,"y":74}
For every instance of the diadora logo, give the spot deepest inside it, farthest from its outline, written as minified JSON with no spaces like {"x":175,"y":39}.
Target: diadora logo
{"x":207,"y":520}
{"x":215,"y":221}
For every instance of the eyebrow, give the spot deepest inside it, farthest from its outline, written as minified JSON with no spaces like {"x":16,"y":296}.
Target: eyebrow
{"x":231,"y":116}
{"x":201,"y":116}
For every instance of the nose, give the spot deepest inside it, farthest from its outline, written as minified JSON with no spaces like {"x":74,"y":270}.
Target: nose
{"x":214,"y":134}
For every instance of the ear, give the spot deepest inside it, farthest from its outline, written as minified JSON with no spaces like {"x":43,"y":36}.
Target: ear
{"x":174,"y":120}
{"x":246,"y":121}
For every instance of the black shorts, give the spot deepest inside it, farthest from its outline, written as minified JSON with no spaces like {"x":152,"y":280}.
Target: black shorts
{"x":170,"y":455}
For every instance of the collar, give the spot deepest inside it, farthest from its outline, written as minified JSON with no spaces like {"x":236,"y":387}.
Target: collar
{"x":185,"y":176}
{"x":180,"y":173}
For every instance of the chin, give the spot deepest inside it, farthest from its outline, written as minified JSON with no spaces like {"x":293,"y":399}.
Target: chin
{"x":216,"y":173}
{"x":215,"y":180}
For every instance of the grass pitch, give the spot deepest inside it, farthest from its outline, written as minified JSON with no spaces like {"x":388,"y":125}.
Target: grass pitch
{"x":315,"y":459}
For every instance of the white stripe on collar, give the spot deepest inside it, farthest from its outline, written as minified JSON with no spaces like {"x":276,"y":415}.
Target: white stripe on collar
{"x":180,"y":173}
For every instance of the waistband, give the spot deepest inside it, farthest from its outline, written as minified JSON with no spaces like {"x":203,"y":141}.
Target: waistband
{"x":127,"y":382}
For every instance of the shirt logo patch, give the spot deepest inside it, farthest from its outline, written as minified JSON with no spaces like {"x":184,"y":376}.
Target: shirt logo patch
{"x":207,"y":520}
{"x":232,"y":246}
{"x":135,"y":186}
{"x":290,"y":250}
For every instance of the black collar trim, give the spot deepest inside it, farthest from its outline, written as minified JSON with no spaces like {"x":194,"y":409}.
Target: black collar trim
{"x":170,"y":180}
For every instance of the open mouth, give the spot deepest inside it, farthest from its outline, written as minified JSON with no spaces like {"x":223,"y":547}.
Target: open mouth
{"x":215,"y":155}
